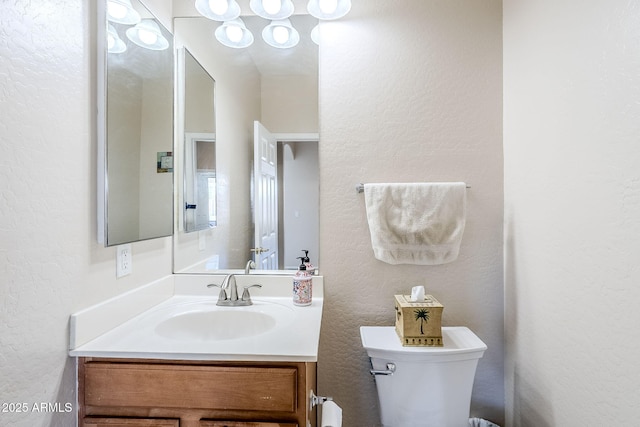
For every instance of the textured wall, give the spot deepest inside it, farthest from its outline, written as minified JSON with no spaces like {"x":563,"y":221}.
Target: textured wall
{"x":50,"y":263}
{"x":572,"y":203}
{"x":410,"y":91}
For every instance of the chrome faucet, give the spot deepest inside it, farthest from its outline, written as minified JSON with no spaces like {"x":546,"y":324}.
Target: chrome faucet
{"x":249,"y":266}
{"x":229,"y":293}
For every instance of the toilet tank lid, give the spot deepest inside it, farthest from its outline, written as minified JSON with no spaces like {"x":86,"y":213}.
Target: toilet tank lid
{"x":457,"y":340}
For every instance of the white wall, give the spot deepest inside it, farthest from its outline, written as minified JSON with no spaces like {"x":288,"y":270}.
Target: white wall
{"x":572,"y":203}
{"x":409,"y":91}
{"x":290,"y":103}
{"x":123,"y":128}
{"x":156,"y":189}
{"x":50,"y":263}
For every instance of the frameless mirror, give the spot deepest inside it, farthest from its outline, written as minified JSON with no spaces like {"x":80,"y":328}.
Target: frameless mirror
{"x":135,"y":106}
{"x":278,"y":88}
{"x":200,"y":190}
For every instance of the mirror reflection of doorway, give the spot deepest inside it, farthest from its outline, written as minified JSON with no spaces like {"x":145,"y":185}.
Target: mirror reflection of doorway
{"x":206,"y":213}
{"x":299,"y":202}
{"x":200,"y":182}
{"x":287,"y":193}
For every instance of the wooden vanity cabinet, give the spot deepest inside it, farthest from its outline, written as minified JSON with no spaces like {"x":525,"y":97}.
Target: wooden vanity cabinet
{"x":130,"y":422}
{"x":242,"y":424}
{"x":150,"y":422}
{"x":163,"y":393}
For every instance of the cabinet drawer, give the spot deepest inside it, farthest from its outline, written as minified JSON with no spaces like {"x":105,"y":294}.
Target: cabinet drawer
{"x":243,"y":424}
{"x":129,"y":422}
{"x":196,"y":387}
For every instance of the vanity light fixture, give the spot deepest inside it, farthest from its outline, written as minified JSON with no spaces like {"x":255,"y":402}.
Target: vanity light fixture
{"x":328,"y":9}
{"x":234,"y":34}
{"x":218,"y":10}
{"x":114,"y":42}
{"x":315,"y":35}
{"x":122,"y":12}
{"x":147,"y":34}
{"x":272,"y":9}
{"x":281,"y":34}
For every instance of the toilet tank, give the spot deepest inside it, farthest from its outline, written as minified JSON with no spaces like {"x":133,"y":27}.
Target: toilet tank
{"x":431,"y":386}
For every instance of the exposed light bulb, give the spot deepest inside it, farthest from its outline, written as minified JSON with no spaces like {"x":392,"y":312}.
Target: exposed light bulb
{"x":116,"y":10}
{"x":147,"y":37}
{"x":315,"y":35}
{"x":328,"y":6}
{"x":219,"y":7}
{"x":280,"y":34}
{"x":272,"y":7}
{"x":234,"y":33}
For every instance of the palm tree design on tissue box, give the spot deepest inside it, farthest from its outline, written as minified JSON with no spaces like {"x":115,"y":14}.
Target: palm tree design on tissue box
{"x":422,"y":315}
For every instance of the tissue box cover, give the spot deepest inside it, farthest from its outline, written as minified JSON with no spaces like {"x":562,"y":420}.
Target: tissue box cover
{"x":419,"y":324}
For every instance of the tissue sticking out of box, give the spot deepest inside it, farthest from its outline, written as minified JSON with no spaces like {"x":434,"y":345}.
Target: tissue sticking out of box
{"x":417,"y":294}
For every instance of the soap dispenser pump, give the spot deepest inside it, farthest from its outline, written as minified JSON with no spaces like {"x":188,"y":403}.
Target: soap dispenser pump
{"x":302,"y":283}
{"x":310,"y":268}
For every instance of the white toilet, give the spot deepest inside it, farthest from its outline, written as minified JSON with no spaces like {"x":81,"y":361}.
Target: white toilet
{"x":423,"y":386}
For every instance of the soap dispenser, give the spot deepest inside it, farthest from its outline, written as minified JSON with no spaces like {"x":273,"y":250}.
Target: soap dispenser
{"x":302,"y":285}
{"x":310,"y":268}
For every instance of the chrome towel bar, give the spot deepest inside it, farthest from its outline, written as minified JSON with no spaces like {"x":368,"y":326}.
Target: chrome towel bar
{"x":360,"y":188}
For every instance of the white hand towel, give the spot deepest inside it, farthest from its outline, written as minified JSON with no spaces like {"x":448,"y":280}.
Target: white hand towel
{"x":416,"y":223}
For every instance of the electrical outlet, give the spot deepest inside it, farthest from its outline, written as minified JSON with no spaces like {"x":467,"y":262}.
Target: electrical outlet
{"x":124,"y":260}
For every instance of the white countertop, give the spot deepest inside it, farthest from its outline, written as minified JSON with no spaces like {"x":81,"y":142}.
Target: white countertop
{"x":294,"y":339}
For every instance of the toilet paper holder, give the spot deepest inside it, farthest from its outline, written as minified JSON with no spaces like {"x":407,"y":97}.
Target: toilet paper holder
{"x":317,"y":400}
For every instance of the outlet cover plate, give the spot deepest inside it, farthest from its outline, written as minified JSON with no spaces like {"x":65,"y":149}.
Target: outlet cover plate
{"x":124,"y":260}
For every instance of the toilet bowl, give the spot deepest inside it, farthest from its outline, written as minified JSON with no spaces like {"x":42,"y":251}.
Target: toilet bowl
{"x":423,"y":386}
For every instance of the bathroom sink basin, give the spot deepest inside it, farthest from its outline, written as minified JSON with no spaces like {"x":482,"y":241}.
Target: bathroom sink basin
{"x":208,"y":322}
{"x":178,"y":319}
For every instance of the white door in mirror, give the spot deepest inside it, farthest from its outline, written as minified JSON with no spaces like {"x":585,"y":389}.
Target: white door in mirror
{"x":266,"y":198}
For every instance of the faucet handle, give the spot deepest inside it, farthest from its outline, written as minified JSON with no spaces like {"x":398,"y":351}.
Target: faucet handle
{"x":245,"y":293}
{"x":222,"y":296}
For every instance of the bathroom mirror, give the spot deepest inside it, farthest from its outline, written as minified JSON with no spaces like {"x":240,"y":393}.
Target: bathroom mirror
{"x":278,"y":88}
{"x":197,"y":89}
{"x":135,"y":125}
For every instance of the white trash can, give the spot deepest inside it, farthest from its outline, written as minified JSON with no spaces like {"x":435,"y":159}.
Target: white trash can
{"x":479,"y":422}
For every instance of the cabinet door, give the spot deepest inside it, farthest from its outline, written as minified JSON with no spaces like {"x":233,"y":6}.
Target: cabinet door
{"x":244,"y":424}
{"x":129,"y":422}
